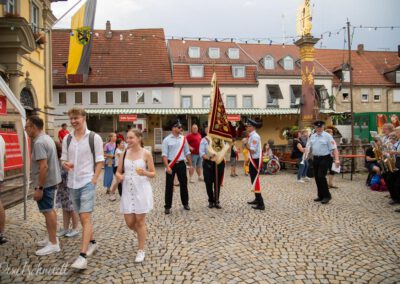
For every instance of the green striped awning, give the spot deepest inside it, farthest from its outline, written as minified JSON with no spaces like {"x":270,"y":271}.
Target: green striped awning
{"x":197,"y":111}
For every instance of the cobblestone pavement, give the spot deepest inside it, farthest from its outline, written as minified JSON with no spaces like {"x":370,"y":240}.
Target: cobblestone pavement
{"x":353,"y":239}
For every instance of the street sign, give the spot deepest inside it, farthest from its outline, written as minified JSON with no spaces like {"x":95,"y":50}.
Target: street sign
{"x":127,"y":117}
{"x":3,"y":105}
{"x":233,"y":117}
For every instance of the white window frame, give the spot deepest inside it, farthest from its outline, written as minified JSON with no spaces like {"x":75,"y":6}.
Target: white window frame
{"x":13,"y":4}
{"x":228,"y":102}
{"x":396,"y":95}
{"x":35,"y":17}
{"x":182,"y":101}
{"x":288,"y":60}
{"x":236,"y":69}
{"x":206,"y":101}
{"x":377,"y":92}
{"x":398,"y":77}
{"x":156,"y":96}
{"x":363,"y":93}
{"x":196,"y":68}
{"x":140,"y":94}
{"x":97,"y":98}
{"x":194,"y":52}
{"x":127,"y":93}
{"x":346,"y":76}
{"x":213,"y":52}
{"x":59,"y":96}
{"x":75,"y":96}
{"x":247,"y":97}
{"x":112,"y":97}
{"x":269,"y":62}
{"x":233,"y":53}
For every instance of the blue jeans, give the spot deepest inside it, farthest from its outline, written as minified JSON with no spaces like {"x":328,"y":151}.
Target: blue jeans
{"x":303,"y":167}
{"x":46,"y":204}
{"x":83,"y":198}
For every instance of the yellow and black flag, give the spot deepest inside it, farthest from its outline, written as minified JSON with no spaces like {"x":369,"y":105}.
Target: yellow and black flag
{"x":80,"y":44}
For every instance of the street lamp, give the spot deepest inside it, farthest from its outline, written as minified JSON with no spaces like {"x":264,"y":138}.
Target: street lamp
{"x":323,"y":95}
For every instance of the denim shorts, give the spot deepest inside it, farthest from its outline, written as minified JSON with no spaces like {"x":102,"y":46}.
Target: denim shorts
{"x":46,"y":204}
{"x":83,"y":198}
{"x":196,"y":161}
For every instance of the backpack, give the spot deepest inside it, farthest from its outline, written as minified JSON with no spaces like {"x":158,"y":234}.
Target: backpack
{"x":91,"y":144}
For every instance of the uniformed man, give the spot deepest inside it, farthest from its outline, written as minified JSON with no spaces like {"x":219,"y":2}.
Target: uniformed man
{"x":213,"y":184}
{"x":322,"y":146}
{"x":253,"y":144}
{"x":174,"y":150}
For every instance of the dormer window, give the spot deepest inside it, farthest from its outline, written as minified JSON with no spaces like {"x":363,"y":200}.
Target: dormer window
{"x":196,"y":71}
{"x":268,"y":62}
{"x":238,"y":71}
{"x":213,"y":52}
{"x":233,"y":53}
{"x":194,"y":52}
{"x":288,"y":63}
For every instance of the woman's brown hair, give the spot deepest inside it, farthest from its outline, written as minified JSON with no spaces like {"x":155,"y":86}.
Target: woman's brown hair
{"x":138,"y":133}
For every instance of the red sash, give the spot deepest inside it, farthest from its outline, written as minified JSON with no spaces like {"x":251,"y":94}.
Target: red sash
{"x":173,"y":162}
{"x":256,"y":184}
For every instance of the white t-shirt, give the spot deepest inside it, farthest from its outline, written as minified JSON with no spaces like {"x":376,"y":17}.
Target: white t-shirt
{"x":118,"y":154}
{"x":2,"y":154}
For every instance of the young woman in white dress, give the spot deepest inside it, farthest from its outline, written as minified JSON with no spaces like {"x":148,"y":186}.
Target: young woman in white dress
{"x":134,"y":172}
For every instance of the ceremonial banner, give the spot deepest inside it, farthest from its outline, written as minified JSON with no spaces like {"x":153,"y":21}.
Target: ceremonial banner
{"x":80,"y":44}
{"x":219,"y":126}
{"x":13,"y":151}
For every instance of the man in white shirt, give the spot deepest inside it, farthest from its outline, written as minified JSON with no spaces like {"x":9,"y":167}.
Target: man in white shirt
{"x":83,"y":158}
{"x":2,"y":212}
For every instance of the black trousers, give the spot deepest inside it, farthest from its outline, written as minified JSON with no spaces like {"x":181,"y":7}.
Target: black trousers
{"x":180,"y":170}
{"x":210,"y":179}
{"x":393,"y":184}
{"x":321,"y":165}
{"x":253,"y":173}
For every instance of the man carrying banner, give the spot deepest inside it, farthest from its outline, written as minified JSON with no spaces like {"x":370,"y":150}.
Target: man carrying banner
{"x":253,"y":144}
{"x":174,"y":150}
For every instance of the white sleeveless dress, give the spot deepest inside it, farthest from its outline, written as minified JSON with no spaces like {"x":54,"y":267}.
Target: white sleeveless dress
{"x":137,"y":194}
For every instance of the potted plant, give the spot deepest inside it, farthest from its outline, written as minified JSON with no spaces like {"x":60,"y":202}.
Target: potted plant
{"x":40,"y":37}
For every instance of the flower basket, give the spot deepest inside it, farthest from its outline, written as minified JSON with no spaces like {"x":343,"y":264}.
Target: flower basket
{"x":40,"y":37}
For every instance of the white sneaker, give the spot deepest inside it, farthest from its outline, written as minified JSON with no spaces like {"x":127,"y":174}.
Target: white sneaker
{"x":191,"y":181}
{"x":62,"y":232}
{"x":307,"y":179}
{"x":80,"y":263}
{"x":43,"y":242}
{"x":112,"y":197}
{"x":72,"y":233}
{"x":91,"y":249}
{"x":48,"y":249}
{"x":301,"y":181}
{"x":140,"y":256}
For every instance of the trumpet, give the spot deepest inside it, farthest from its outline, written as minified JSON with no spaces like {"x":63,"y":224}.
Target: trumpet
{"x":389,"y":161}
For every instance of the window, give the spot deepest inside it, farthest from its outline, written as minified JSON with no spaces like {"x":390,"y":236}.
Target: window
{"x":156,"y":96}
{"x":288,"y":63}
{"x":273,"y":95}
{"x":295,"y":96}
{"x":268,"y":62}
{"x":109,"y":97}
{"x":364,"y":95}
{"x":139,"y":97}
{"x":345,"y":95}
{"x":124,"y":97}
{"x":346,"y":76}
{"x":247,"y":101}
{"x":194,"y":52}
{"x":94,"y":98}
{"x":35,"y":18}
{"x":186,"y":102}
{"x":231,"y":101}
{"x":233,"y":53}
{"x":377,"y":95}
{"x":396,"y":95}
{"x":62,"y":98}
{"x":238,"y":71}
{"x":78,"y":98}
{"x":213,"y":52}
{"x":206,"y":102}
{"x":10,"y":7}
{"x":196,"y":71}
{"x":397,"y":77}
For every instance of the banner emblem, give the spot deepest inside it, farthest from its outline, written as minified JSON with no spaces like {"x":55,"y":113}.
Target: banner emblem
{"x":84,"y":35}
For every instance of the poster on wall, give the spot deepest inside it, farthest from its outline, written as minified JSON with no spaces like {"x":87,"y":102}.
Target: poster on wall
{"x":3,"y":104}
{"x":13,"y":151}
{"x":381,"y":119}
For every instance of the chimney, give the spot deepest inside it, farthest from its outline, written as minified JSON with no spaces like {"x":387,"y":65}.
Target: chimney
{"x":108,"y":32}
{"x":360,"y":49}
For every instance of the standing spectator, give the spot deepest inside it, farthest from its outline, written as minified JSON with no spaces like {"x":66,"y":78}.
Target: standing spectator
{"x":45,"y":176}
{"x":234,"y":158}
{"x":297,"y":153}
{"x":109,"y":151}
{"x":134,"y":169}
{"x":120,"y":136}
{"x":119,"y":150}
{"x":63,"y":132}
{"x":194,"y":139}
{"x":64,"y":202}
{"x":3,"y":239}
{"x":82,"y":156}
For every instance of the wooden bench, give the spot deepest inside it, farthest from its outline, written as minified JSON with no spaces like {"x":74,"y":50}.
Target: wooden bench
{"x":284,"y":158}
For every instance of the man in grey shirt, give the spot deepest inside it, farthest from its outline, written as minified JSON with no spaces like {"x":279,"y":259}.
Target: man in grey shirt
{"x":45,"y":175}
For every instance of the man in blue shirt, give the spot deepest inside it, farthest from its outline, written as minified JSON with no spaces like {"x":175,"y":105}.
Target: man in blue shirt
{"x":174,"y":150}
{"x":322,"y":145}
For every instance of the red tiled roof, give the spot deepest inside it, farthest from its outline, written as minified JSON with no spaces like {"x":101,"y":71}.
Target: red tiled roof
{"x":129,"y":58}
{"x":278,"y":52}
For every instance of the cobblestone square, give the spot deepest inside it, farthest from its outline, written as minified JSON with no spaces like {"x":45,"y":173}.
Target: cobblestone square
{"x":353,"y":239}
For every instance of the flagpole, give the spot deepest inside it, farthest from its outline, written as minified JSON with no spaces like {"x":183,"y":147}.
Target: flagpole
{"x":69,"y":10}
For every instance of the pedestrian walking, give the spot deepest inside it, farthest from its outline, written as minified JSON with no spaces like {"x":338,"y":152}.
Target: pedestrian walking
{"x":62,"y":132}
{"x":234,"y":157}
{"x":45,"y":176}
{"x":322,"y":146}
{"x":109,"y":151}
{"x":119,"y":151}
{"x":135,"y":168}
{"x":83,"y":158}
{"x":174,"y":150}
{"x":253,"y":145}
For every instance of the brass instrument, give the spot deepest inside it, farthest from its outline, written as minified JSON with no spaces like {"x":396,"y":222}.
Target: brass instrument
{"x":379,"y":156}
{"x":389,"y":161}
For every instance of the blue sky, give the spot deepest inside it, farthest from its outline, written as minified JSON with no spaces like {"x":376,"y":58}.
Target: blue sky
{"x":250,"y":19}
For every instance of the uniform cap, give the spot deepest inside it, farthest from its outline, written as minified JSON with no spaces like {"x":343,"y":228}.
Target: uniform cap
{"x":319,"y":123}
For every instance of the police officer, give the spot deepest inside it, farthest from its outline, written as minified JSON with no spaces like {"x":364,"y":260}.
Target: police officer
{"x":174,"y":150}
{"x":253,"y":145}
{"x":322,"y":145}
{"x":213,"y":184}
